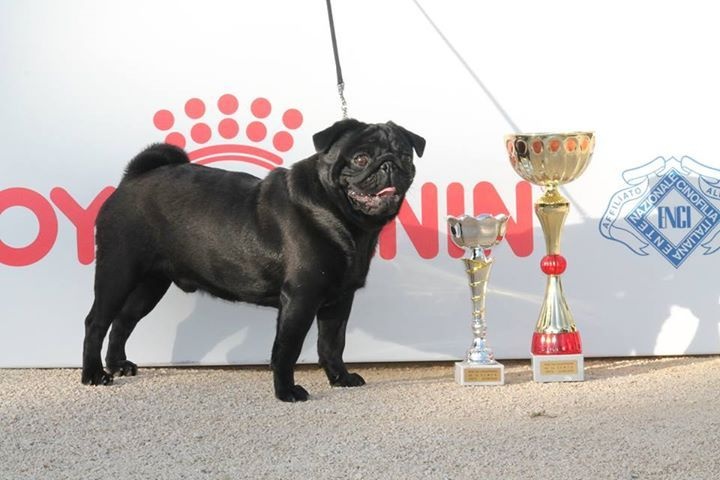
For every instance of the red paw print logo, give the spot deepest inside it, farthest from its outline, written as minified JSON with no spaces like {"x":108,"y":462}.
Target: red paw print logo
{"x":222,"y":136}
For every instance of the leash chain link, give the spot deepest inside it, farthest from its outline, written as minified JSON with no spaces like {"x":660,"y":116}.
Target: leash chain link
{"x":343,"y":102}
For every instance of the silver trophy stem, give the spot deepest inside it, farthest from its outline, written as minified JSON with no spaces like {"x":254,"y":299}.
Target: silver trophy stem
{"x":478,"y":270}
{"x":478,"y":234}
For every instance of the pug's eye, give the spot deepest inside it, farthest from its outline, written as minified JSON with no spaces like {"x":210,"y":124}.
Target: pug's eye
{"x":361,"y":160}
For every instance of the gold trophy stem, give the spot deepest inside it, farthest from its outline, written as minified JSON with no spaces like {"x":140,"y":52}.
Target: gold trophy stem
{"x":552,"y":210}
{"x":555,"y":316}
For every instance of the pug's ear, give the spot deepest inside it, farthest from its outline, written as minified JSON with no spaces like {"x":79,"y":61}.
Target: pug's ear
{"x":324,"y":140}
{"x":417,"y":142}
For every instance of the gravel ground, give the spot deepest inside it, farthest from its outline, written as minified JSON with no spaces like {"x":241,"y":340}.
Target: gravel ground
{"x":631,"y":419}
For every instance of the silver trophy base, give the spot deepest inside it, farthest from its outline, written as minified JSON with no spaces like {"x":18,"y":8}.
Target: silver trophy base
{"x":558,"y":368}
{"x":468,"y":373}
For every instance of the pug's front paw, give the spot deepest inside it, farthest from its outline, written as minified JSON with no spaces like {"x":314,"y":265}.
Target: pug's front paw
{"x":348,"y":380}
{"x":122,"y":368}
{"x":96,"y":376}
{"x":296,"y":393}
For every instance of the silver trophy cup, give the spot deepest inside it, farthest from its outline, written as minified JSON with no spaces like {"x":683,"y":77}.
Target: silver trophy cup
{"x":478,"y":235}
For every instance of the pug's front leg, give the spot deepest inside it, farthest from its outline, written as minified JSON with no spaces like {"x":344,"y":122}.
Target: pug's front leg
{"x":332,"y":324}
{"x":295,"y":316}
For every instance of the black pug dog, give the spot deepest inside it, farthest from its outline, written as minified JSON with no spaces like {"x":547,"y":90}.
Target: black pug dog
{"x":300,"y":240}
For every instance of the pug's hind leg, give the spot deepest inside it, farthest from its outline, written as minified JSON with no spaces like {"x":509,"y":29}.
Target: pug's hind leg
{"x":111,"y":290}
{"x":296,"y":313}
{"x":139,"y":303}
{"x":332,"y":324}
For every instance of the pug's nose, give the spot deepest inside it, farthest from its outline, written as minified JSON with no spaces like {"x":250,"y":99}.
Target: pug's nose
{"x":386,"y":167}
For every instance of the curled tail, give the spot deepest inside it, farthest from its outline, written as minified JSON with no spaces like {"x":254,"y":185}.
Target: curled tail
{"x":154,"y":156}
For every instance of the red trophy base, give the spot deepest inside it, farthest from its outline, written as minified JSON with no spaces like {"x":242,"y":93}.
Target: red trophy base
{"x":557,"y":357}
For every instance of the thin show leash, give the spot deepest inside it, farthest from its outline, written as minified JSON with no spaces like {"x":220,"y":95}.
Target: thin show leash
{"x":338,"y":70}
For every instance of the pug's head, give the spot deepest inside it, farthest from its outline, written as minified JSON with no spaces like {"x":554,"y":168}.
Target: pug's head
{"x":367,"y":167}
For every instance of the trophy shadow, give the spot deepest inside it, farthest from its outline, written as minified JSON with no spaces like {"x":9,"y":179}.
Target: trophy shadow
{"x":603,"y":368}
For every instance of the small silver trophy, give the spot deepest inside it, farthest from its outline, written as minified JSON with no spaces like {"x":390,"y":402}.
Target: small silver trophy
{"x":478,"y":235}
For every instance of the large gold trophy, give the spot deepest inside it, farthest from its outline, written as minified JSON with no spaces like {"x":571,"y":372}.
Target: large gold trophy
{"x":550,"y":160}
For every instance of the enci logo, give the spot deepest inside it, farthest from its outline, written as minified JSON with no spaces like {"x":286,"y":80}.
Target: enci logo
{"x":220,"y":136}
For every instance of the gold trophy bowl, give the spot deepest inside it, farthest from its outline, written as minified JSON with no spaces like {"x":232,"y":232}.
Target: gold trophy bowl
{"x":550,"y":160}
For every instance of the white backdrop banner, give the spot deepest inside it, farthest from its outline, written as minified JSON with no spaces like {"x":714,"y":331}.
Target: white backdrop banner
{"x":86,"y":85}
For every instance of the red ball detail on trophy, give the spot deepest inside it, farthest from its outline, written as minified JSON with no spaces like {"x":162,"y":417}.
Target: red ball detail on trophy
{"x":570,"y":144}
{"x":554,"y":145}
{"x":553,"y":264}
{"x":537,"y":147}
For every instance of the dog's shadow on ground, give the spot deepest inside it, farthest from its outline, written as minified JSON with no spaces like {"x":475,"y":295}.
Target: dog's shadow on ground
{"x":218,"y":332}
{"x":420,"y":309}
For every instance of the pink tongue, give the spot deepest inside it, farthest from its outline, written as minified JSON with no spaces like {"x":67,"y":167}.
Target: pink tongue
{"x":386,"y":192}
